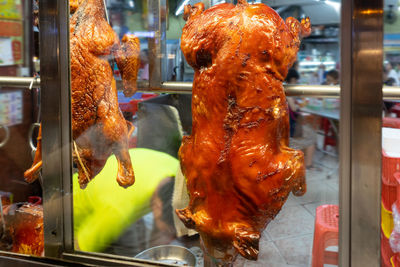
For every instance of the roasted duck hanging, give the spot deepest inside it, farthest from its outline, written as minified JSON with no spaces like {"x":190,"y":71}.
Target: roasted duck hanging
{"x":237,"y":162}
{"x":98,"y":127}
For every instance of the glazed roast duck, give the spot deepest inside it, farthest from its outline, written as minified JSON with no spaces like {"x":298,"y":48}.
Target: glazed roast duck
{"x":237,"y":163}
{"x":98,"y":127}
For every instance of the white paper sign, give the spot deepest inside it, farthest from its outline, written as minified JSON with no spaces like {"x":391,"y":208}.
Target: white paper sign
{"x":11,"y":108}
{"x":6,"y":56}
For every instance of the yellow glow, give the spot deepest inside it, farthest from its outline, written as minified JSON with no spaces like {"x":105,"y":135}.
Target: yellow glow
{"x":371,"y":11}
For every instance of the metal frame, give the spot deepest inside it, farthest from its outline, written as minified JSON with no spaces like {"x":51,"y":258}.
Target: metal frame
{"x":361,"y":109}
{"x":157,"y":45}
{"x":56,"y":122}
{"x":345,"y":140}
{"x":360,"y":132}
{"x":322,"y":91}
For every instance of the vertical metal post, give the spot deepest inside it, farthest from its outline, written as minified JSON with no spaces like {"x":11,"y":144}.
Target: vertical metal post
{"x":56,"y":124}
{"x":28,"y":36}
{"x":360,"y":132}
{"x":157,"y":45}
{"x":344,"y":133}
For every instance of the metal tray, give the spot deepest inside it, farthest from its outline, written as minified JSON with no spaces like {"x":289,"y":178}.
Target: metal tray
{"x":169,"y":254}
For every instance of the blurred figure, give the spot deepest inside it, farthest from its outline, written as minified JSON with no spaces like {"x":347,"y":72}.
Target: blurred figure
{"x":302,"y":134}
{"x":392,"y":74}
{"x":107,"y":216}
{"x":387,"y":80}
{"x":292,"y":78}
{"x":144,"y":65}
{"x":321,"y":73}
{"x":387,"y":105}
{"x":332,"y":77}
{"x":164,"y":231}
{"x":161,"y":205}
{"x":313,"y":79}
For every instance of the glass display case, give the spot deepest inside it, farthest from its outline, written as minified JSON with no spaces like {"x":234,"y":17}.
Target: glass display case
{"x":79,"y":212}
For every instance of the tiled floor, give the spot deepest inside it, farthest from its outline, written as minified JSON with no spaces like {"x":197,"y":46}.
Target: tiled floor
{"x":288,"y":239}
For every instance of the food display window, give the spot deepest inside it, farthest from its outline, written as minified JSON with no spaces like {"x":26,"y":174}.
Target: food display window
{"x":199,"y":133}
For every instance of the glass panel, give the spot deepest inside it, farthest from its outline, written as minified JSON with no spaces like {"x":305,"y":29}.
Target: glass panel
{"x":288,"y":239}
{"x":112,"y":219}
{"x":390,"y":228}
{"x":21,"y":212}
{"x":107,"y":208}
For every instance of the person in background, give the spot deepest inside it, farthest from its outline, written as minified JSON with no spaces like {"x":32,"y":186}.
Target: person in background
{"x":321,"y":73}
{"x":107,"y":216}
{"x":161,"y":205}
{"x":164,"y":232}
{"x":389,"y":81}
{"x":293,"y":75}
{"x":313,"y":78}
{"x":332,"y":77}
{"x":387,"y":105}
{"x":144,"y":65}
{"x":302,"y":134}
{"x":397,"y":69}
{"x":391,"y":73}
{"x":292,"y":78}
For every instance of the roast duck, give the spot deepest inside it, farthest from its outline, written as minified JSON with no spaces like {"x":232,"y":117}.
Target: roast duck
{"x":237,"y":163}
{"x":98,"y":127}
{"x":22,"y":229}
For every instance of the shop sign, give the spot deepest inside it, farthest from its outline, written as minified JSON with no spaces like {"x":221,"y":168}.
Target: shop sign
{"x":10,"y":9}
{"x":11,"y":108}
{"x":11,"y":42}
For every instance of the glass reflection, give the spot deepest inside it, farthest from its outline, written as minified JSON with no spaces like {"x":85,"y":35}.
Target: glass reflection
{"x":146,"y":219}
{"x":21,"y":212}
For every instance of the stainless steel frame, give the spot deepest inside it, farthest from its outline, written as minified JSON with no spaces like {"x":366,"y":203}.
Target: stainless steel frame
{"x":344,"y":133}
{"x":157,"y":45}
{"x":56,"y":123}
{"x":360,"y":132}
{"x":360,"y":136}
{"x":322,"y":91}
{"x":28,"y":35}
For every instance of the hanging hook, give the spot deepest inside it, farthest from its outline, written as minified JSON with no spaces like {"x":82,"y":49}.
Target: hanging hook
{"x":30,"y":137}
{"x":106,"y":11}
{"x":7,"y":137}
{"x":33,"y":80}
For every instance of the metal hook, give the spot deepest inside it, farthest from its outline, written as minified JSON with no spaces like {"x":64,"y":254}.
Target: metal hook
{"x":7,"y":137}
{"x":33,"y":80}
{"x":31,"y":139}
{"x":106,"y":11}
{"x":3,"y":223}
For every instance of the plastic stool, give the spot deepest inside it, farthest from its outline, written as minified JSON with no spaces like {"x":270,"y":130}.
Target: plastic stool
{"x":396,"y":109}
{"x":326,"y":233}
{"x":395,"y":260}
{"x":329,"y":135}
{"x":391,"y":122}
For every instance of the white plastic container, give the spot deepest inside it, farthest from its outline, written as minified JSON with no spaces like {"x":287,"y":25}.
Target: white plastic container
{"x":391,"y":141}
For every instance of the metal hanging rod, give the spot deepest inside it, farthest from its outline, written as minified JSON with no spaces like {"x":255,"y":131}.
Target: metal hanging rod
{"x":23,"y":82}
{"x":323,"y":91}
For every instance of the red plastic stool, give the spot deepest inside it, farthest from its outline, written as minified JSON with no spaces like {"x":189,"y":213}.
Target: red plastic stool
{"x":386,"y":251}
{"x":395,"y":260}
{"x":396,"y":109}
{"x":391,"y":122}
{"x":326,"y":234}
{"x":329,"y":135}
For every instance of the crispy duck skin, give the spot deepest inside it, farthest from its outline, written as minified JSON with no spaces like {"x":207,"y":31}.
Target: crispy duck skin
{"x":237,"y":163}
{"x":32,"y":173}
{"x":98,"y":127}
{"x":127,"y":58}
{"x":73,"y":5}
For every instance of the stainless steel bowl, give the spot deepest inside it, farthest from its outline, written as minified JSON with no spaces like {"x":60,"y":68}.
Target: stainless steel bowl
{"x":169,"y":254}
